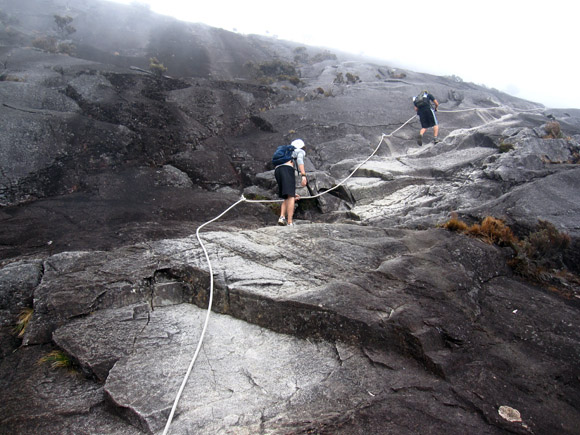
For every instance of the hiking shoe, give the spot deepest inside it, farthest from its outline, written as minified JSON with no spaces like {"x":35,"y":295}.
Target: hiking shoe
{"x":282,"y":221}
{"x":436,"y":141}
{"x":420,"y":140}
{"x":291,"y":224}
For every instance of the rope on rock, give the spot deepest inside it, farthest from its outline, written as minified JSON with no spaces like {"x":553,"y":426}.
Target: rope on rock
{"x":318,"y":195}
{"x":209,"y":305}
{"x":243,"y":199}
{"x":210,"y":301}
{"x":490,"y":108}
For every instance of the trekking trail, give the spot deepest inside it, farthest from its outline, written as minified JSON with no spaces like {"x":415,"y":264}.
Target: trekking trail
{"x":483,"y":113}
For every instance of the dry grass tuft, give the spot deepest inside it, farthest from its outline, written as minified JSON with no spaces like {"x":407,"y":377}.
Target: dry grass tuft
{"x":456,"y":225}
{"x":23,"y":320}
{"x":57,"y":359}
{"x":538,"y":257}
{"x":494,"y":231}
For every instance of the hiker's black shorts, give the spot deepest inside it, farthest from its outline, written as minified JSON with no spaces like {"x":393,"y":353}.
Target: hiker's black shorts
{"x":427,"y":117}
{"x":286,"y":180}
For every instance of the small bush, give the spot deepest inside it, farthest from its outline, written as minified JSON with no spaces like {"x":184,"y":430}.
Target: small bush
{"x":539,"y":257}
{"x":300,"y":55}
{"x":505,"y":147}
{"x":553,"y":130}
{"x":491,"y":230}
{"x":273,"y":71}
{"x":66,"y":48}
{"x":10,"y":78}
{"x":396,"y":74}
{"x":325,"y":55}
{"x":156,"y":67}
{"x":352,"y":78}
{"x":295,"y":80}
{"x":456,"y":225}
{"x":45,"y":43}
{"x":63,"y":24}
{"x":546,"y":246}
{"x":494,"y":231}
{"x":277,"y":68}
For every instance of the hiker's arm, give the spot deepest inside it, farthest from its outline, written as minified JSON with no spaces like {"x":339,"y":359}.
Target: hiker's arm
{"x":300,"y":163}
{"x":436,"y":104}
{"x":301,"y":170}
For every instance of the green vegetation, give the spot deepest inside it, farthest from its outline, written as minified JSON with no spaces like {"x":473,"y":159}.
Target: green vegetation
{"x":59,"y":43}
{"x":350,"y":78}
{"x":10,"y":78}
{"x":45,"y":43}
{"x":53,"y":45}
{"x":156,"y":67}
{"x":301,"y":56}
{"x":295,"y":80}
{"x":324,"y":55}
{"x":23,"y":320}
{"x":544,"y":248}
{"x":63,"y":24}
{"x":505,"y":147}
{"x":274,"y":71}
{"x":57,"y":359}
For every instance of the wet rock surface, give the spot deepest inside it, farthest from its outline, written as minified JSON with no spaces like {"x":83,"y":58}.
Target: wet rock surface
{"x":366,"y":317}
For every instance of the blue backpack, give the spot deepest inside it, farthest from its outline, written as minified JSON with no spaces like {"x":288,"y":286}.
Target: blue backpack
{"x":282,"y":154}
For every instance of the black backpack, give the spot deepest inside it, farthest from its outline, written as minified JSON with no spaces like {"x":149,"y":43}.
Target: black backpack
{"x":422,"y":99}
{"x":282,"y":154}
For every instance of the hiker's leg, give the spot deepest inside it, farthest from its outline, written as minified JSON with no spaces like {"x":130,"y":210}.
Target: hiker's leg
{"x":436,"y":130}
{"x":289,"y":208}
{"x":283,"y":208}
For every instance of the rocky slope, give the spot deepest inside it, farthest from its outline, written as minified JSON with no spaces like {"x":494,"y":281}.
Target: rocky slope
{"x":367,"y":317}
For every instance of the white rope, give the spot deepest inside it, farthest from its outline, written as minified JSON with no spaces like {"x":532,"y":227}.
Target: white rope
{"x":348,"y":177}
{"x":209,"y":305}
{"x":491,"y":108}
{"x":243,"y":199}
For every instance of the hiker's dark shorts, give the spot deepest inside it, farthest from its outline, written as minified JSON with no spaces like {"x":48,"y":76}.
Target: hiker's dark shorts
{"x":427,"y":118}
{"x":286,"y":181}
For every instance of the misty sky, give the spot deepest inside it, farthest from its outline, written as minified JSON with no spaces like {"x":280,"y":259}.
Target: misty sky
{"x":527,"y":49}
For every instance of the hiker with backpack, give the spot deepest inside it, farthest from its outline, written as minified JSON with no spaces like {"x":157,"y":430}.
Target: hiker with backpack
{"x":285,"y":160}
{"x":426,"y":112}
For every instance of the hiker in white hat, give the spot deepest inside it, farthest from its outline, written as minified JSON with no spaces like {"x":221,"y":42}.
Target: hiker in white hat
{"x":292,"y":157}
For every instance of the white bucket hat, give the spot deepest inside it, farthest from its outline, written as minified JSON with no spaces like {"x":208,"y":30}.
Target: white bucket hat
{"x":297,"y":143}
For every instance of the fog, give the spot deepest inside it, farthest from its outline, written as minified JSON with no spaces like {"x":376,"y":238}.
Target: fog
{"x":519,"y":47}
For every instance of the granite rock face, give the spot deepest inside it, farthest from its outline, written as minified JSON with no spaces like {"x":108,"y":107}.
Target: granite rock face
{"x":327,"y":340}
{"x":366,"y":317}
